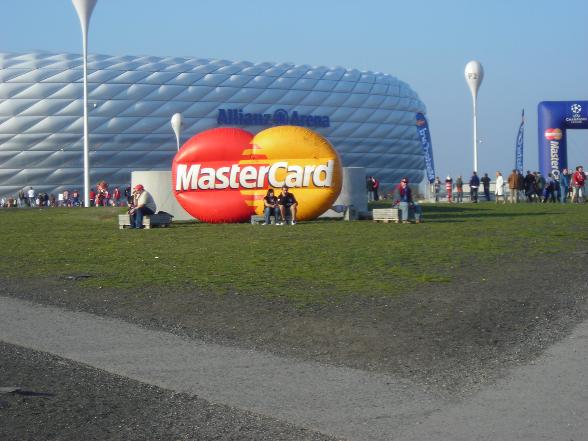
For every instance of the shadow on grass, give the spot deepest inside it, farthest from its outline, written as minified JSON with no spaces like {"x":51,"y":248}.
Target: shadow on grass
{"x":456,"y":212}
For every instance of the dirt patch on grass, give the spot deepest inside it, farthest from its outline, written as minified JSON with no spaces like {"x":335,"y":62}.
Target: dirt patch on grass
{"x":452,"y":337}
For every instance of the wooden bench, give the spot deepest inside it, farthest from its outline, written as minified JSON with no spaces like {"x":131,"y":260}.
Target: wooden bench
{"x":155,"y":220}
{"x":386,"y":215}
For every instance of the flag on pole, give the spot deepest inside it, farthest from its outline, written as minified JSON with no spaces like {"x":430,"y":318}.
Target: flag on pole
{"x":519,"y":146}
{"x":425,"y":136}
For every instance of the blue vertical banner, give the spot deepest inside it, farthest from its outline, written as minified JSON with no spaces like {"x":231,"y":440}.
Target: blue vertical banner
{"x":519,"y":147}
{"x":425,"y":136}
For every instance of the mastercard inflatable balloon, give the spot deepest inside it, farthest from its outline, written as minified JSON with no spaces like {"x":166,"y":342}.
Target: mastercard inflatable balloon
{"x":222,"y":175}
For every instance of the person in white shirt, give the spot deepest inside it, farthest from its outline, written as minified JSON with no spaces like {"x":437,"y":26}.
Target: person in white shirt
{"x":143,"y":205}
{"x":499,"y":190}
{"x":31,"y":197}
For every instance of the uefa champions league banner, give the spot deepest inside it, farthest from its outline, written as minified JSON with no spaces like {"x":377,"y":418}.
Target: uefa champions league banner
{"x":555,"y":119}
{"x":425,"y":136}
{"x":519,"y":146}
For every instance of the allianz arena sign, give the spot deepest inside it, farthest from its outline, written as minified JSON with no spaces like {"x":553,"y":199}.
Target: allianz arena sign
{"x":223,"y":174}
{"x":281,"y":117}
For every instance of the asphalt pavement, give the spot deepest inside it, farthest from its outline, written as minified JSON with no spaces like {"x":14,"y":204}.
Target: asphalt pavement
{"x":547,"y":399}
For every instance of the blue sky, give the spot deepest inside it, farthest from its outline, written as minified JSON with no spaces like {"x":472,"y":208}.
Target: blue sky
{"x":531,"y":51}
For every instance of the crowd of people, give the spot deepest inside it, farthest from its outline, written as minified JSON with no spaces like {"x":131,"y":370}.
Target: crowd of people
{"x":566,"y":185}
{"x":100,"y":196}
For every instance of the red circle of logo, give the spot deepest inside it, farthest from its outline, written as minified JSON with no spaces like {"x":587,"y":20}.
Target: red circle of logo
{"x":553,"y":134}
{"x":216,"y":148}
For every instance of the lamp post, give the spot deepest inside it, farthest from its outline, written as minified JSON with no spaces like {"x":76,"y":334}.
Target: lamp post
{"x":474,"y":74}
{"x":177,"y":122}
{"x":84,"y":10}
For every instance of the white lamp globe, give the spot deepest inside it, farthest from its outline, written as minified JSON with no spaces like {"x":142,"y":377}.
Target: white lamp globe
{"x":177,"y":122}
{"x":474,"y":74}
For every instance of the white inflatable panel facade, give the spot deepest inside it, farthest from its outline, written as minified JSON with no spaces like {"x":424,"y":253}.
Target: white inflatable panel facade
{"x":371,"y":116}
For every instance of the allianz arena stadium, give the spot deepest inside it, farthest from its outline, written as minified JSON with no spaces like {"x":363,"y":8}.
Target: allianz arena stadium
{"x":368,"y":117}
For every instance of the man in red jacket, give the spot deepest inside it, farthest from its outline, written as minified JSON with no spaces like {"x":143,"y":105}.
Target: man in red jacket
{"x":578,"y":179}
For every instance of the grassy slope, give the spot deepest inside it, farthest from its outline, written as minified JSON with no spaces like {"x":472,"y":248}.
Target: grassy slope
{"x":305,"y":263}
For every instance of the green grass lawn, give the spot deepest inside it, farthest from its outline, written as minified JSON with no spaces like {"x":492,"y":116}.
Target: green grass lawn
{"x":305,"y":263}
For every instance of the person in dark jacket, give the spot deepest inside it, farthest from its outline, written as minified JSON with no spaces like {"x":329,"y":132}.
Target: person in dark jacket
{"x":376,"y":186}
{"x":529,"y":185}
{"x":521,"y":186}
{"x":406,"y":203}
{"x":369,"y":186}
{"x":474,"y":185}
{"x":549,"y":189}
{"x":437,"y":188}
{"x":288,"y":205}
{"x":564,"y":185}
{"x":539,"y":185}
{"x":486,"y":184}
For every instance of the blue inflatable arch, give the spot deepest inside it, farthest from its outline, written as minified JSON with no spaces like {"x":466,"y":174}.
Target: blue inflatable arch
{"x":555,"y":118}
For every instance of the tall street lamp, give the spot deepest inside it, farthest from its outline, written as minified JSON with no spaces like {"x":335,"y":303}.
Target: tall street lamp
{"x":474,"y":74}
{"x":84,"y":9}
{"x":176,"y":123}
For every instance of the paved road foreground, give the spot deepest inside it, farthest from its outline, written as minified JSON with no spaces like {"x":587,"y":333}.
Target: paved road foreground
{"x":546,"y":400}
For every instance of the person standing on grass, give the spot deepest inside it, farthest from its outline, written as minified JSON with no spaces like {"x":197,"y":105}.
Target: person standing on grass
{"x":369,"y":184}
{"x":116,"y":195}
{"x":486,"y":184}
{"x":92,"y":198}
{"x":539,"y":185}
{"x":21,"y":198}
{"x":549,"y":190}
{"x":31,"y":197}
{"x":556,"y":187}
{"x":578,"y":180}
{"x":564,"y":185}
{"x":459,"y":190}
{"x":75,"y":198}
{"x":474,"y":185}
{"x":436,"y":188}
{"x":376,"y":186}
{"x":448,"y":188}
{"x":499,"y":190}
{"x":513,"y":185}
{"x":129,"y":195}
{"x":529,"y":185}
{"x":143,"y":205}
{"x":521,"y":186}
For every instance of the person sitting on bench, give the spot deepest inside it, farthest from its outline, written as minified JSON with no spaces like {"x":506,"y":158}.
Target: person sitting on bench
{"x":287,"y":203}
{"x":271,"y":207}
{"x":406,"y":203}
{"x":143,"y":205}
